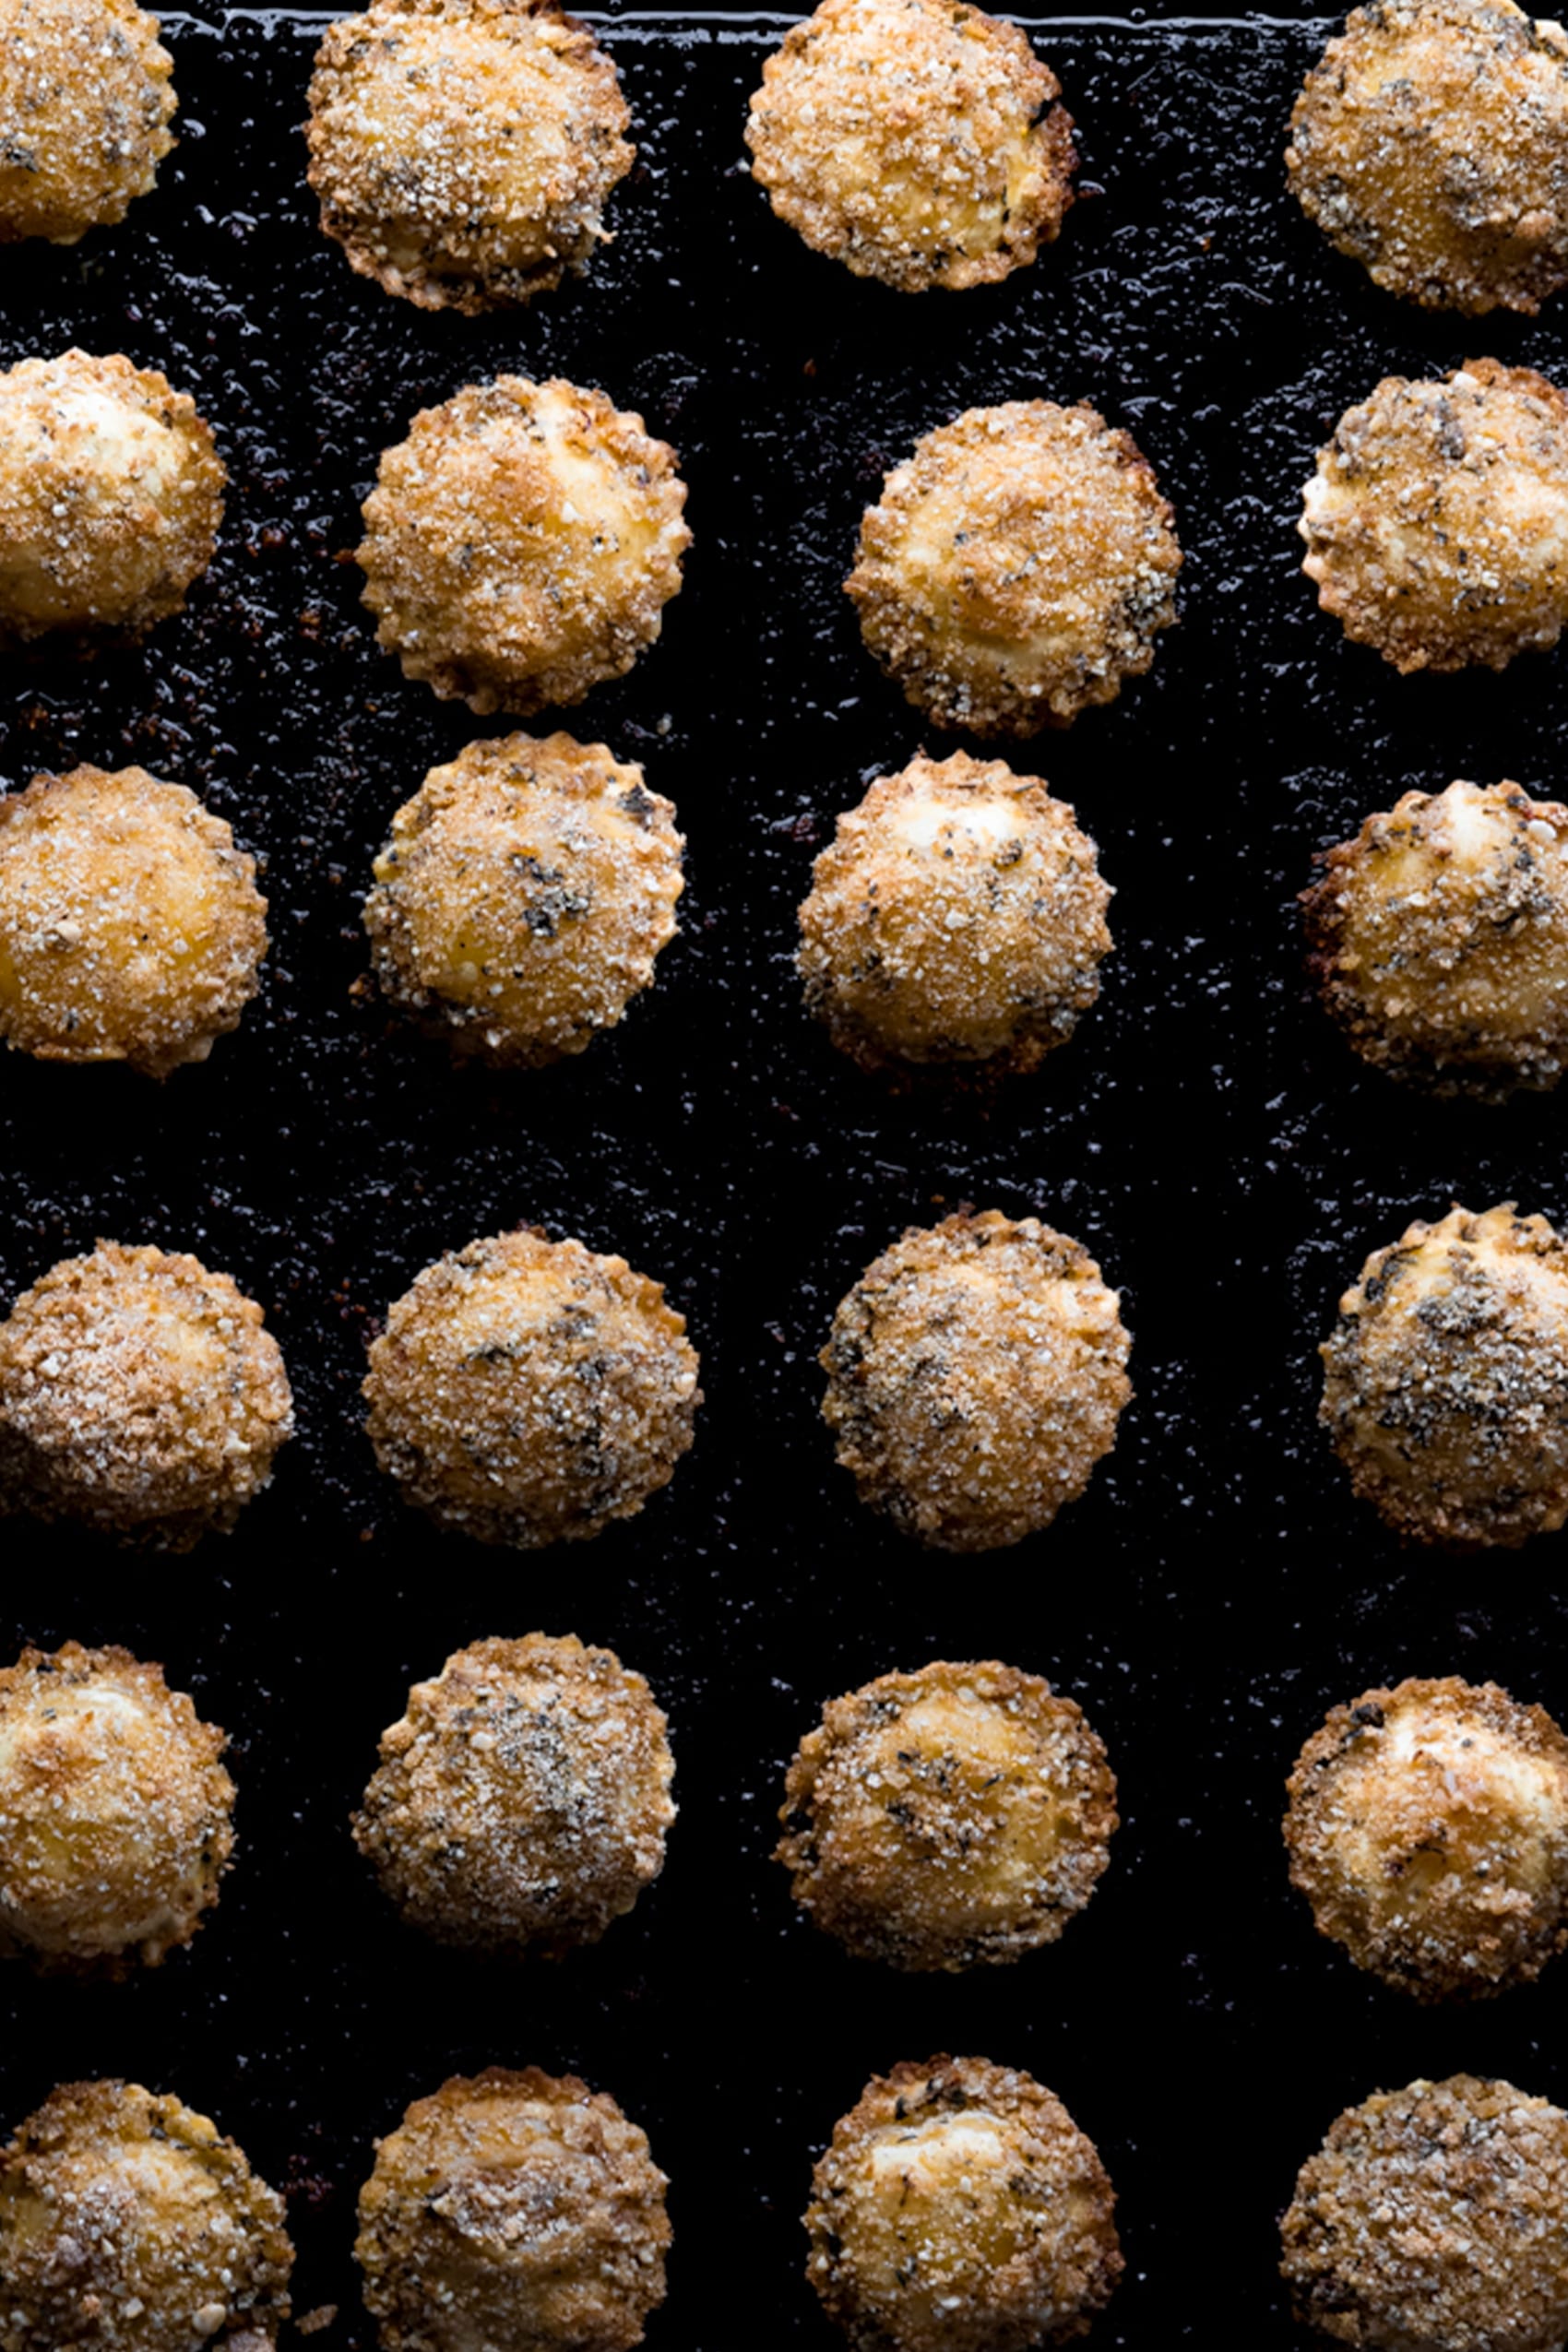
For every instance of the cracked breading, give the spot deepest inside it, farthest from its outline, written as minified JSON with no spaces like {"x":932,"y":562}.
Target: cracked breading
{"x":522,"y":897}
{"x":941,"y":1819}
{"x":975,"y":1378}
{"x":463,"y":150}
{"x":960,"y":2209}
{"x":1437,"y":521}
{"x":128,"y":2223}
{"x":1435,"y":2219}
{"x":513,"y":2210}
{"x":914,"y":140}
{"x":521,"y":545}
{"x":86,"y":99}
{"x":527,"y":1391}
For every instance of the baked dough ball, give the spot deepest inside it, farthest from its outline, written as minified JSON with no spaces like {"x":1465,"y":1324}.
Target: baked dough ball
{"x":111,"y":495}
{"x":1446,"y":1381}
{"x":131,"y":928}
{"x":139,"y":1395}
{"x":128,"y":2221}
{"x":958,"y":918}
{"x":463,"y":150}
{"x":1437,"y":522}
{"x":1439,"y":938}
{"x":1429,"y":1830}
{"x":917,"y":141}
{"x":525,"y":1390}
{"x":522,"y":1802}
{"x":521,"y":543}
{"x":85,"y":103}
{"x":522,"y":897}
{"x":975,"y":1378}
{"x":945,"y":1818}
{"x":1017,"y":568}
{"x":960,"y":2209}
{"x":513,"y":2210}
{"x":1435,"y":2219}
{"x":1432,"y":144}
{"x":113,"y":1811}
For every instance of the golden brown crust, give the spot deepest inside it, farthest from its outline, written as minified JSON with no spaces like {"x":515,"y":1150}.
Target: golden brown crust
{"x":947,"y":1818}
{"x":521,"y":545}
{"x":957,"y":920}
{"x":129,"y":2223}
{"x":1435,"y":2219}
{"x":463,"y":150}
{"x":523,"y":896}
{"x":1017,"y":568}
{"x":1431,"y":143}
{"x":139,"y":1395}
{"x":1437,"y":522}
{"x":86,"y":100}
{"x":527,"y":1391}
{"x":513,"y":2209}
{"x":1439,"y":939}
{"x":917,"y":141}
{"x":975,"y":1378}
{"x":1429,"y":1830}
{"x":960,"y":2209}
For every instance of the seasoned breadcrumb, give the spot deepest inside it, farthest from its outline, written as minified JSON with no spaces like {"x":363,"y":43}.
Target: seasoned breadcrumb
{"x":86,"y":100}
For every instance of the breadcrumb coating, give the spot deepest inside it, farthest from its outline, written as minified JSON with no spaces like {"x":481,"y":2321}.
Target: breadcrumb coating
{"x":521,"y":543}
{"x":1017,"y":568}
{"x":463,"y":150}
{"x":1437,"y":521}
{"x":128,"y":2223}
{"x":139,"y":1395}
{"x":1445,"y":1392}
{"x":522,"y":897}
{"x":957,"y":920}
{"x":917,"y":141}
{"x":947,"y":1818}
{"x":960,"y":2209}
{"x":86,"y":100}
{"x":131,"y":928}
{"x":1429,"y":1830}
{"x":1431,"y":143}
{"x":1435,"y":2219}
{"x":513,"y":2211}
{"x":1439,"y":939}
{"x":527,"y":1391}
{"x":975,"y":1378}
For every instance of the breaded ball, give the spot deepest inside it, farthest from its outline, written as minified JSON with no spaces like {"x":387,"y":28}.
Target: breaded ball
{"x":1429,"y":1830}
{"x":1432,"y":144}
{"x":521,"y":543}
{"x":1017,"y":568}
{"x":1435,"y":2219}
{"x":111,"y":495}
{"x":960,"y":2209}
{"x":516,"y":2211}
{"x":975,"y":1378}
{"x":129,"y":2223}
{"x":1446,"y":1381}
{"x":946,"y":1818}
{"x":1439,"y":938}
{"x":131,"y":928}
{"x":1437,"y":521}
{"x":958,"y":918}
{"x":526,"y":1391}
{"x":463,"y":150}
{"x":139,"y":1395}
{"x":526,"y":890}
{"x":85,"y":104}
{"x":522,"y":1802}
{"x":917,"y":141}
{"x":113,"y":1811}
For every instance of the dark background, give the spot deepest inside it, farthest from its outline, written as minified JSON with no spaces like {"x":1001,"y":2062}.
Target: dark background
{"x":1205,"y":1134}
